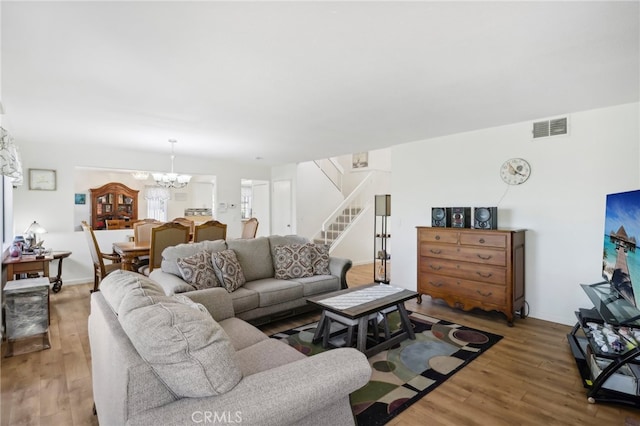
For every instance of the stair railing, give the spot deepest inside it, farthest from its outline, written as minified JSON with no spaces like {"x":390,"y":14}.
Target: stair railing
{"x":351,"y":208}
{"x":332,"y":170}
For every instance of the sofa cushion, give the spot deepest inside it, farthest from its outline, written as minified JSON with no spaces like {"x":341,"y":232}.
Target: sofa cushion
{"x":241,"y":333}
{"x":118,"y":284}
{"x":293,"y":261}
{"x":266,"y":355}
{"x":319,"y":284}
{"x":273,"y":291}
{"x":319,"y":258}
{"x":254,"y":254}
{"x":188,"y":350}
{"x":170,"y":255}
{"x":228,"y":269}
{"x":197,"y":270}
{"x":244,"y":300}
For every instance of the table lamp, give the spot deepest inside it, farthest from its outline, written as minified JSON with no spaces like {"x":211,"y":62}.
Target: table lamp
{"x":31,"y":235}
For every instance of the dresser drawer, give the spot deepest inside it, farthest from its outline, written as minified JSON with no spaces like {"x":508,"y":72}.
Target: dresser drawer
{"x":438,"y":235}
{"x":469,"y":271}
{"x":442,"y":286}
{"x":483,"y":239}
{"x":466,"y":254}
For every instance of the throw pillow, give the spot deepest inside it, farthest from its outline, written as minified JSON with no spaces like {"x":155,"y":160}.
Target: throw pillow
{"x":198,"y":271}
{"x":319,"y":258}
{"x":228,"y":269}
{"x":188,"y":350}
{"x":293,"y":261}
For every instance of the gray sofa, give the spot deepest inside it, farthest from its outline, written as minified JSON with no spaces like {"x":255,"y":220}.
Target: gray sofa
{"x":263,"y":298}
{"x":159,"y":359}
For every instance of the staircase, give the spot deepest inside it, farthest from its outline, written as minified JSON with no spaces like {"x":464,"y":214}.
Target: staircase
{"x":338,"y":226}
{"x":348,"y":213}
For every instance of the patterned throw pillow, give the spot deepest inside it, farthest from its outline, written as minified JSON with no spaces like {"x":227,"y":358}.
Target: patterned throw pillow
{"x":197,"y":270}
{"x":228,"y":269}
{"x":293,"y":261}
{"x":319,"y":258}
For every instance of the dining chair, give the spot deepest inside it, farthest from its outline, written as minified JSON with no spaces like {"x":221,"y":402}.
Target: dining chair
{"x":100,"y":268}
{"x":114,"y":224}
{"x":142,"y":234}
{"x":210,"y":230}
{"x":163,"y":236}
{"x":186,"y":222}
{"x":250,"y":228}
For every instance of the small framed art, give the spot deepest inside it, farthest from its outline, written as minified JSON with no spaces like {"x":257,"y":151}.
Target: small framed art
{"x":42,"y":179}
{"x":360,"y":160}
{"x":81,"y":198}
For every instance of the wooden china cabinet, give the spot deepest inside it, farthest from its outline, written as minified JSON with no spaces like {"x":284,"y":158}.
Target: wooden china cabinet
{"x":113,"y":201}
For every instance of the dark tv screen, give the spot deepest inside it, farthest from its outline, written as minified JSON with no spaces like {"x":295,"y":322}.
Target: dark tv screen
{"x":620,"y":262}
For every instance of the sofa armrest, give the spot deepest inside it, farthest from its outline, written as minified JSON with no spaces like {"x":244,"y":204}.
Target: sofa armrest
{"x":280,"y":396}
{"x":216,"y":300}
{"x":170,"y":283}
{"x":339,"y":267}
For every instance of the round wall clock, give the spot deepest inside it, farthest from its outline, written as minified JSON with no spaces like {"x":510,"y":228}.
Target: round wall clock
{"x":515,"y":171}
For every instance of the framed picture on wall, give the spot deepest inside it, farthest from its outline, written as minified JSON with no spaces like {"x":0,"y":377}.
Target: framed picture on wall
{"x":42,"y":179}
{"x":360,"y":160}
{"x":81,"y":198}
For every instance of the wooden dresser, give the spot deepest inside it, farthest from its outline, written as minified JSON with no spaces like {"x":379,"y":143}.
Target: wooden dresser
{"x":473,"y":268}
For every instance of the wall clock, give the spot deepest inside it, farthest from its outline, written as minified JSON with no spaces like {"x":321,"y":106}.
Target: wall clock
{"x":515,"y":171}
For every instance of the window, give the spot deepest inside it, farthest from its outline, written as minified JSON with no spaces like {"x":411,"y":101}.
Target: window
{"x":157,"y":202}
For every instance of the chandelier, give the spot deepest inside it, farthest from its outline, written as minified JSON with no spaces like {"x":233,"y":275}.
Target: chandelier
{"x":171,"y":180}
{"x":139,"y":175}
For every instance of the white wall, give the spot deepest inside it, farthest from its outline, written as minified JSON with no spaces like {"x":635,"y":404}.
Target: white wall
{"x":562,"y":204}
{"x":316,"y":197}
{"x":55,"y":209}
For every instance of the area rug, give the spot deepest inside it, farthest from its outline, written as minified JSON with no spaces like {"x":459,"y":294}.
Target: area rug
{"x":408,"y":371}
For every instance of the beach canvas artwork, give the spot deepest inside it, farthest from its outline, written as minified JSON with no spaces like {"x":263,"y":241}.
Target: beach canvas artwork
{"x":620,"y":263}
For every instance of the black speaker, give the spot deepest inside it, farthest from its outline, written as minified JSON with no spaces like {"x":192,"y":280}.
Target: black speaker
{"x":440,"y":217}
{"x":485,"y":217}
{"x":461,"y":217}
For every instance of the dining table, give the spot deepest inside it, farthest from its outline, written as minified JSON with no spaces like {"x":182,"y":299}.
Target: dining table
{"x":129,"y":251}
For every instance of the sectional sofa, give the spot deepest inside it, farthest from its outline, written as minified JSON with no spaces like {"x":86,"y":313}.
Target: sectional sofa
{"x":276,"y":282}
{"x":186,"y":359}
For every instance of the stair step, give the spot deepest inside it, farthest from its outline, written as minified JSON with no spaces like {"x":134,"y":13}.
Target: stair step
{"x":335,"y":229}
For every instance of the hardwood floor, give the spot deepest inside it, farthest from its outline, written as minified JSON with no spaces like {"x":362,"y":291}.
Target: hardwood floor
{"x":528,"y":378}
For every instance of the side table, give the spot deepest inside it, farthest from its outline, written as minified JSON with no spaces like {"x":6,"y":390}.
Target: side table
{"x":57,"y":280}
{"x":27,"y":311}
{"x":27,"y":264}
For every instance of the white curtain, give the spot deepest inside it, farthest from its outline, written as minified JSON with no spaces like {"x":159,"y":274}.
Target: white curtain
{"x":157,"y":198}
{"x":10,"y":164}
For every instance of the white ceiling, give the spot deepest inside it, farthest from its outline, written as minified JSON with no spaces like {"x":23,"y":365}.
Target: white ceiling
{"x":295,"y":81}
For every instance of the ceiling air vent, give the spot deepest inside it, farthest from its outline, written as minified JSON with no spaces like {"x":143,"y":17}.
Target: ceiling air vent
{"x":555,"y":127}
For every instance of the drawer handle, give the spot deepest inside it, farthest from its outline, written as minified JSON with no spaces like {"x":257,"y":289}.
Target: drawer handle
{"x":484,"y":294}
{"x":438,"y":237}
{"x":438,"y":284}
{"x":484,"y":275}
{"x":487,"y":257}
{"x":435,"y":268}
{"x":481,"y":240}
{"x":435,"y":251}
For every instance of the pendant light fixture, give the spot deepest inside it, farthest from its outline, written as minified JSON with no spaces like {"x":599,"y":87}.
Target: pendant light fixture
{"x":171,"y":180}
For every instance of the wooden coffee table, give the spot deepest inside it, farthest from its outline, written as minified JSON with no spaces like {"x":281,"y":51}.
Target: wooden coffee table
{"x":355,"y":307}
